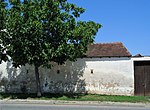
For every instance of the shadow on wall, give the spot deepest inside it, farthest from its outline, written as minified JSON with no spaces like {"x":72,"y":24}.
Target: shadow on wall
{"x":64,"y":79}
{"x":14,"y":80}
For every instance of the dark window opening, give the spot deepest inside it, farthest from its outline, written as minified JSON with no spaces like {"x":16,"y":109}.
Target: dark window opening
{"x":58,"y":71}
{"x":91,"y":71}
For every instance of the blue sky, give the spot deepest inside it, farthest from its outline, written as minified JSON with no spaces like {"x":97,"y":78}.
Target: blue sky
{"x":126,"y":21}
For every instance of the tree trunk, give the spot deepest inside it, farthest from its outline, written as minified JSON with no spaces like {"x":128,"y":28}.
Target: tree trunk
{"x":37,"y":81}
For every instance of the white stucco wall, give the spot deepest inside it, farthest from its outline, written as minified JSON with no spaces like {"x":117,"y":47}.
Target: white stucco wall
{"x":143,"y":58}
{"x":113,"y":76}
{"x":110,"y":76}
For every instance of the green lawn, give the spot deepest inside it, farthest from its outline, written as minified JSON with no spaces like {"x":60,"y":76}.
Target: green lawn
{"x":78,"y":97}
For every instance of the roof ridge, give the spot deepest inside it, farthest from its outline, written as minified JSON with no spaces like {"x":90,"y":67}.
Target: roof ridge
{"x":109,"y":43}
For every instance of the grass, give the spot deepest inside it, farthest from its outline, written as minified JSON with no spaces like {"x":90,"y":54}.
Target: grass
{"x":78,"y":97}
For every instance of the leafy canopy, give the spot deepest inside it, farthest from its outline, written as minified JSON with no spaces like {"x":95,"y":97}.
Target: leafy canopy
{"x":3,"y":55}
{"x":43,"y":31}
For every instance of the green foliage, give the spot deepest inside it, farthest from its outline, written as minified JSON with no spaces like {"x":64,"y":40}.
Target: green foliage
{"x":2,"y":13}
{"x":3,"y":55}
{"x":42,"y":31}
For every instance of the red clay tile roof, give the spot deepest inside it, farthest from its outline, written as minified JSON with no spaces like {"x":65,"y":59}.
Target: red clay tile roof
{"x":115,"y":49}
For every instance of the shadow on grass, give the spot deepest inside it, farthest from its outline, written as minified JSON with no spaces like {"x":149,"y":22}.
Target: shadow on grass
{"x":45,"y":96}
{"x":78,"y":97}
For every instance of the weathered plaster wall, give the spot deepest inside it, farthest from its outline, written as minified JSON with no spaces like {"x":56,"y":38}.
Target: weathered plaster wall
{"x":93,"y":75}
{"x":110,"y":76}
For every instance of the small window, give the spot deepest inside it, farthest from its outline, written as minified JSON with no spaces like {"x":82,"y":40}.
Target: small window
{"x":58,"y":71}
{"x":27,"y":71}
{"x":91,"y":71}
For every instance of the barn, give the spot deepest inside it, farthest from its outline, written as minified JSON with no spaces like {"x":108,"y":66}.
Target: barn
{"x":106,"y":68}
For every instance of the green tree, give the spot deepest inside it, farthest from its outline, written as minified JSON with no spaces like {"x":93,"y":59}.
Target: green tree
{"x":43,"y":31}
{"x":3,"y":55}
